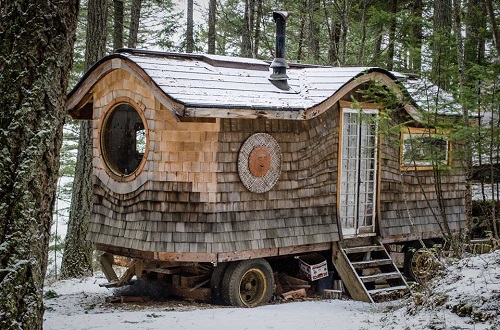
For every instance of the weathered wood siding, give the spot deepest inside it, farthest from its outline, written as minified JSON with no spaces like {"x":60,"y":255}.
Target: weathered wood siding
{"x":167,"y":207}
{"x":301,"y":207}
{"x":188,"y":196}
{"x":408,"y":198}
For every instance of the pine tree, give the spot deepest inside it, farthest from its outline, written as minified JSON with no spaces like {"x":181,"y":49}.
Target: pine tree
{"x":77,"y":257}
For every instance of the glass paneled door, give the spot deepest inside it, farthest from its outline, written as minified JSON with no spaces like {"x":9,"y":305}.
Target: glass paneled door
{"x":358,"y":171}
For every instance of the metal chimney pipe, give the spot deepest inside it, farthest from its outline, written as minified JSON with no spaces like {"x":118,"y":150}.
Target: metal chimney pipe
{"x":279,"y":77}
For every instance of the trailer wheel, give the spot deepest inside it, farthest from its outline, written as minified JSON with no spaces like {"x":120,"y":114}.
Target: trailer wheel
{"x":420,"y":263}
{"x":248,"y":283}
{"x":216,"y":283}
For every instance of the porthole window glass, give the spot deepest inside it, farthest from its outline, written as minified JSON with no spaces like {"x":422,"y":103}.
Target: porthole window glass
{"x":123,"y":140}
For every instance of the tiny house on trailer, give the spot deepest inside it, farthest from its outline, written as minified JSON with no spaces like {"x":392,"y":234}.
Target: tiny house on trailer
{"x":215,"y":172}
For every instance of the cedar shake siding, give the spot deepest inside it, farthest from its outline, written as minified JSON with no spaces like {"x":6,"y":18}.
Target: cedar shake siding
{"x":186,"y":195}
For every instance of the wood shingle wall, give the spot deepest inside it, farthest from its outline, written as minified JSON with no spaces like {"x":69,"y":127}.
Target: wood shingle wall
{"x":408,"y":202}
{"x":188,"y":197}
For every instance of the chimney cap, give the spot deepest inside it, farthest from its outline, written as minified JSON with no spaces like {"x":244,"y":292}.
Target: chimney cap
{"x":283,"y":14}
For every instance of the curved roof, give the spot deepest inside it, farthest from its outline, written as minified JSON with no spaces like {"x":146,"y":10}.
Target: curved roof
{"x":196,"y":85}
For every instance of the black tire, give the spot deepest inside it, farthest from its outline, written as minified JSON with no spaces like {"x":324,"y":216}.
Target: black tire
{"x":420,"y":262}
{"x":216,"y":283}
{"x":248,"y":283}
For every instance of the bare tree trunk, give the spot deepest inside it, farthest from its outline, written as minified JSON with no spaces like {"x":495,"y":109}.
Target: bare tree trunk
{"x":314,"y":30}
{"x":465,"y":113}
{"x":189,"y":27}
{"x":441,"y":43}
{"x":212,"y":14}
{"x":416,"y":37}
{"x":135,"y":15}
{"x":246,"y":40}
{"x":300,"y":44}
{"x":377,"y":46}
{"x":256,"y":35}
{"x":363,"y":34}
{"x":493,"y":177}
{"x":494,"y":26}
{"x":118,"y":24}
{"x":333,"y":35}
{"x":474,"y":43}
{"x":77,"y":257}
{"x":37,"y":45}
{"x":392,"y":35}
{"x":343,"y":9}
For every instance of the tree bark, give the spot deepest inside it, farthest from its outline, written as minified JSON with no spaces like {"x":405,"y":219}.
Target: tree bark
{"x":416,"y":37}
{"x":494,"y":26}
{"x":189,"y":27}
{"x":363,"y":34}
{"x":77,"y":256}
{"x":135,"y":15}
{"x":392,"y":35}
{"x":457,"y":26}
{"x":441,"y":43}
{"x":118,"y":24}
{"x":256,"y":34}
{"x":246,"y":40}
{"x":37,"y":44}
{"x":212,"y":14}
{"x":314,"y":30}
{"x":377,"y":45}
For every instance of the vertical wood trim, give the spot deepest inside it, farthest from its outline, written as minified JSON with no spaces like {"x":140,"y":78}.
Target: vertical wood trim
{"x":378,"y":218}
{"x":351,"y":105}
{"x":339,"y":166}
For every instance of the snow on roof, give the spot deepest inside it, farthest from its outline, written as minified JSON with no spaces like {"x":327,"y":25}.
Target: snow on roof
{"x":208,"y":82}
{"x":430,"y":98}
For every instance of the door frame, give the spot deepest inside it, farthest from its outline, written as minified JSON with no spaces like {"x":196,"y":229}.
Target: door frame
{"x":368,"y":230}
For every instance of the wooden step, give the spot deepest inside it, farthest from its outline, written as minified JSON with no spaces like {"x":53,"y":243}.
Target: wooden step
{"x":348,"y":260}
{"x":112,"y":284}
{"x":388,"y":289}
{"x":381,"y":276}
{"x":371,"y":263}
{"x":363,"y":249}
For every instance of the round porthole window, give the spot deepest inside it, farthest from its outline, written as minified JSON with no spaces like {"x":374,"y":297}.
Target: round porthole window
{"x":123,"y":140}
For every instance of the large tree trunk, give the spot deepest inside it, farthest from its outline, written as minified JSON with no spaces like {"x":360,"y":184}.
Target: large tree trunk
{"x":392,"y":35}
{"x":256,"y":33}
{"x":37,"y":44}
{"x":416,"y":37}
{"x":475,"y":26}
{"x":77,"y":257}
{"x":135,"y":15}
{"x":189,"y":27}
{"x":441,"y":43}
{"x":457,"y":26}
{"x":246,"y":39}
{"x":314,"y":30}
{"x":494,"y":26}
{"x":212,"y":14}
{"x":118,"y":24}
{"x":363,"y":33}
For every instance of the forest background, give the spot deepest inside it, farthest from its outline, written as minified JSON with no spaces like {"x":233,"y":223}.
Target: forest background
{"x":452,"y":43}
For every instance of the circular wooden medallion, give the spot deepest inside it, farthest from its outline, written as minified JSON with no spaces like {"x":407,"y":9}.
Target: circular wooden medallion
{"x":259,"y":162}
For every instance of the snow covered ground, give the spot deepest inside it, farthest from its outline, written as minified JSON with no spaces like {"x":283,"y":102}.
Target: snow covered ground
{"x":470,"y":287}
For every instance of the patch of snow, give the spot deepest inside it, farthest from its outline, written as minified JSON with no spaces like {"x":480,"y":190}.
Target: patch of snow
{"x":80,"y":304}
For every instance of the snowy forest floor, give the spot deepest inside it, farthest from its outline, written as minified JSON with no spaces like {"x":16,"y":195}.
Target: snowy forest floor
{"x":465,"y":296}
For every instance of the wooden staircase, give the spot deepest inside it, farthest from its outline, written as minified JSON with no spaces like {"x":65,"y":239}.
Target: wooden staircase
{"x":367,"y":270}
